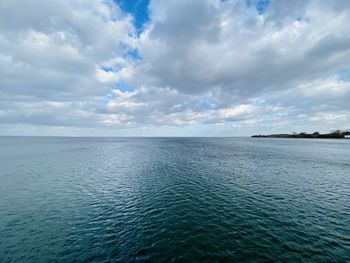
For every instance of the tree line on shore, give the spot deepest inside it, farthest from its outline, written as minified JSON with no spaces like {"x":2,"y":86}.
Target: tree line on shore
{"x":337,"y":134}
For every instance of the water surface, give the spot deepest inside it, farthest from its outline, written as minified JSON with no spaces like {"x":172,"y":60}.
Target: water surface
{"x":174,"y":200}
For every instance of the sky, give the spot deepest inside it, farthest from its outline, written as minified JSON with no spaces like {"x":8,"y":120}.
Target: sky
{"x":173,"y":67}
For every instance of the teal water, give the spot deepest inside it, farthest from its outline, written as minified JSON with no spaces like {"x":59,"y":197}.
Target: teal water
{"x":174,"y":200}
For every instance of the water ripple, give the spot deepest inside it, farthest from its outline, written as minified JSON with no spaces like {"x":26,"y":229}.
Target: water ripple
{"x":174,"y":200}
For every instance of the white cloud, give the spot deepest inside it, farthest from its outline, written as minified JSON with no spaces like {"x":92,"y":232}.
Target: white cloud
{"x":238,"y":111}
{"x":53,"y":49}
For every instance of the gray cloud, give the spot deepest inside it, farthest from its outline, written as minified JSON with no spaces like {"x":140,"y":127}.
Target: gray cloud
{"x":218,"y":48}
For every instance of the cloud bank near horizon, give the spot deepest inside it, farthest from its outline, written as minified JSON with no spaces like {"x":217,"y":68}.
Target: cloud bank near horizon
{"x":192,"y":68}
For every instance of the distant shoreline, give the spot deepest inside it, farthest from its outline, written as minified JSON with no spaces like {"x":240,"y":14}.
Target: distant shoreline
{"x":338,"y":134}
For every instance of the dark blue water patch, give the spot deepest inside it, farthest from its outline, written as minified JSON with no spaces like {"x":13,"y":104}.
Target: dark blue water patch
{"x":174,"y":200}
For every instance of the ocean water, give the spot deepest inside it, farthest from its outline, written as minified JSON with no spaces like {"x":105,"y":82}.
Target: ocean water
{"x":174,"y":200}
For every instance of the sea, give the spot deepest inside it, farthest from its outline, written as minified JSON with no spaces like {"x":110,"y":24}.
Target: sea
{"x":65,"y":199}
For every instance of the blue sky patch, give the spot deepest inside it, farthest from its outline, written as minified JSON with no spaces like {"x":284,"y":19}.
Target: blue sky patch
{"x":262,"y":5}
{"x":134,"y":54}
{"x":138,"y":9}
{"x":344,"y":75}
{"x":122,"y":86}
{"x":259,"y":5}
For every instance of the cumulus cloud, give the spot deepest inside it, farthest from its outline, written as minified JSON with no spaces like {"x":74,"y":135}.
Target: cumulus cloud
{"x":54,"y":50}
{"x":204,"y":45}
{"x":232,"y":66}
